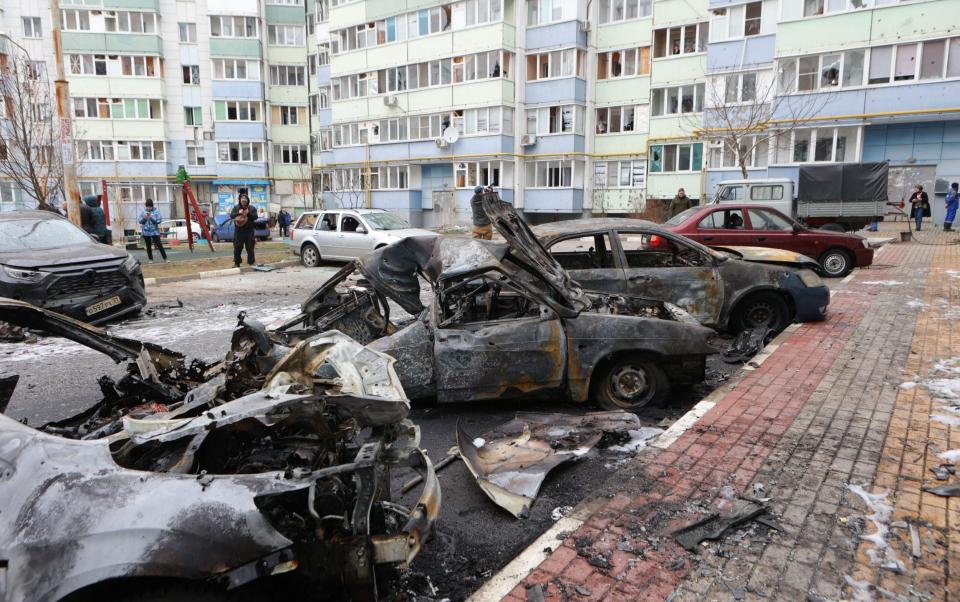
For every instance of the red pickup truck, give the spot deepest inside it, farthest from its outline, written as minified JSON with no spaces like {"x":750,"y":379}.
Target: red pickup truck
{"x":732,"y":225}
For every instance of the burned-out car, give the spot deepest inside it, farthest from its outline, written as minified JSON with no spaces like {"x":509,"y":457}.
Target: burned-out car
{"x":739,"y":290}
{"x":506,"y":320}
{"x":265,"y":475}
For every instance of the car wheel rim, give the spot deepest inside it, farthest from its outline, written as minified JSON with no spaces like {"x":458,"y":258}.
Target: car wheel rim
{"x":761,"y":314}
{"x":629,"y":385}
{"x":835,"y":263}
{"x":309,"y":256}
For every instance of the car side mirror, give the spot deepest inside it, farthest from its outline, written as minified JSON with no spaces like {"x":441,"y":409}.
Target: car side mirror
{"x":797,"y":228}
{"x":360,"y":230}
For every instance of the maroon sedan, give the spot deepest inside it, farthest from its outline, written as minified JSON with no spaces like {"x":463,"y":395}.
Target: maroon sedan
{"x":728,"y":225}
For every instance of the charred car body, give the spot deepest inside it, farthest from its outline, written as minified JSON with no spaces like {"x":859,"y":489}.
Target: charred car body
{"x":743,"y":289}
{"x":506,"y":320}
{"x":265,"y":473}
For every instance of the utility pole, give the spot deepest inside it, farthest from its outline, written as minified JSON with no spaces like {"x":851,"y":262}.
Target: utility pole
{"x":62,"y":88}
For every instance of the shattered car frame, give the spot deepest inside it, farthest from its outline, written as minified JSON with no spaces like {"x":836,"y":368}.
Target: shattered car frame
{"x":174,"y":477}
{"x":506,"y":320}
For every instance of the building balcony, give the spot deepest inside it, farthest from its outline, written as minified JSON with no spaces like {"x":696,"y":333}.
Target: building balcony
{"x":112,"y":43}
{"x":556,"y":144}
{"x":235,"y":47}
{"x":237,"y":90}
{"x":745,"y":53}
{"x":553,"y":200}
{"x":555,"y":35}
{"x":239,"y":130}
{"x":557,"y":91}
{"x":627,"y":34}
{"x":129,"y":87}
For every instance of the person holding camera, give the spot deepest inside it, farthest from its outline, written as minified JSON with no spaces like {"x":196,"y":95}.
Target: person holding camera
{"x":149,"y":220}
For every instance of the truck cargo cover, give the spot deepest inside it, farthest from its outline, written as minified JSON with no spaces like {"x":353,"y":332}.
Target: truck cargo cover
{"x":843,"y":182}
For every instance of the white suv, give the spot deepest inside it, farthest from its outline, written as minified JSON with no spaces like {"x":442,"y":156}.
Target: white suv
{"x":344,"y":234}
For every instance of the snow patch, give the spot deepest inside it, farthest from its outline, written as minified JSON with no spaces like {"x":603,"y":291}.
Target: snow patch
{"x":917,"y":304}
{"x":881,"y":554}
{"x":951,"y":456}
{"x":883,"y":282}
{"x":908,"y":386}
{"x":639,"y":439}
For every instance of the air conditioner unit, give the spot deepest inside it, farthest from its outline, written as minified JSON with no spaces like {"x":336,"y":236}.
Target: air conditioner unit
{"x":442,"y":143}
{"x":389,"y":100}
{"x":208,"y":135}
{"x":528,"y":140}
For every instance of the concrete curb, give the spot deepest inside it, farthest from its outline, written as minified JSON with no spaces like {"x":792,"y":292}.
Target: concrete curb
{"x":515,"y":571}
{"x":215,"y":273}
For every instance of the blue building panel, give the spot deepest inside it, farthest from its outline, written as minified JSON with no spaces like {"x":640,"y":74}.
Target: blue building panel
{"x":241,"y":170}
{"x":746,"y":53}
{"x":323,"y":75}
{"x":925,"y":96}
{"x":406,"y":200}
{"x":177,"y":156}
{"x":324,"y":118}
{"x":554,"y":91}
{"x":428,"y":149}
{"x":556,"y":144}
{"x":553,"y":200}
{"x":126,"y":169}
{"x":555,"y":35}
{"x":840,"y":102}
{"x":237,"y":90}
{"x":238,"y":130}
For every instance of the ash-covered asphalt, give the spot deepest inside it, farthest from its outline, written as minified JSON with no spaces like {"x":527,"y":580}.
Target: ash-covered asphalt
{"x":475,"y":537}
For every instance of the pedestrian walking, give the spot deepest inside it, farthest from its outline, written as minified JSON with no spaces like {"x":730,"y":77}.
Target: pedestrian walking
{"x":244,"y":215}
{"x":919,"y":206}
{"x":283,"y":220}
{"x":149,"y":220}
{"x":481,"y":222}
{"x":953,"y":201}
{"x":86,"y":217}
{"x":679,"y":204}
{"x":98,"y":220}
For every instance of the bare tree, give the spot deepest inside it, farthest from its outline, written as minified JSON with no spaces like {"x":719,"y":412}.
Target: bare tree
{"x":743,"y":118}
{"x":30,"y":149}
{"x":347,"y":189}
{"x":600,"y":190}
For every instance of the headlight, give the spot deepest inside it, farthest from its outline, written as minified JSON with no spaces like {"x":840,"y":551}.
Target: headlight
{"x":23,"y":275}
{"x":130,"y":263}
{"x":809,"y":279}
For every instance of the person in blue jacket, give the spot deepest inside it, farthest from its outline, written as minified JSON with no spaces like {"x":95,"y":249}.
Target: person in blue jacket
{"x":149,"y":220}
{"x":953,"y":200}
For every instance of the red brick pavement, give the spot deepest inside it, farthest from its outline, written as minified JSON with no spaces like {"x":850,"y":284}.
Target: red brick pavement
{"x":726,"y":447}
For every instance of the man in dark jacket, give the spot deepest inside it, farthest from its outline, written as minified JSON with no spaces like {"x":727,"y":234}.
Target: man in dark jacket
{"x":919,"y":206}
{"x":679,"y":204}
{"x":283,"y":221}
{"x":243,"y":215}
{"x":481,"y":223}
{"x":98,"y":220}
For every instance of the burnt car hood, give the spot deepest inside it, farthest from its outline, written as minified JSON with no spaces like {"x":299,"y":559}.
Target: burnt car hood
{"x":771,"y":256}
{"x":63,"y":256}
{"x":527,"y":247}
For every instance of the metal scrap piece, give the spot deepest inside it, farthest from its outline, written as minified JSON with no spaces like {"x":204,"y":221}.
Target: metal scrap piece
{"x":951,"y":490}
{"x":715,"y":525}
{"x":514,"y":458}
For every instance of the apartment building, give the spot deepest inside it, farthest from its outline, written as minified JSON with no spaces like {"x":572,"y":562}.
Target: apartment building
{"x":847,"y":81}
{"x":216,"y":86}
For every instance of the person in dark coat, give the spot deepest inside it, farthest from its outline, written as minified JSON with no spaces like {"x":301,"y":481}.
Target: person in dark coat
{"x":98,"y":220}
{"x":86,"y":217}
{"x":482,"y":228}
{"x":919,"y":206}
{"x":283,"y":220}
{"x":679,"y":204}
{"x":244,"y":215}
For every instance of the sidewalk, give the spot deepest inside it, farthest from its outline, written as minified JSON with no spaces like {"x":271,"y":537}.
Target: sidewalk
{"x":826,"y":410}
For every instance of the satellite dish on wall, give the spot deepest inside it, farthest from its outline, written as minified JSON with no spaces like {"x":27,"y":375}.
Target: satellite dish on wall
{"x":450,"y":135}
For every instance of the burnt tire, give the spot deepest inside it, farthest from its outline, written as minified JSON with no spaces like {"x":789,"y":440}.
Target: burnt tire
{"x":836,"y":263}
{"x":629,"y":383}
{"x":309,"y":255}
{"x":759,"y":310}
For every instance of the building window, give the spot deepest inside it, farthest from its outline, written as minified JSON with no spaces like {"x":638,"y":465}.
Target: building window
{"x":629,"y":62}
{"x":188,"y":33}
{"x":670,"y":158}
{"x":87,"y":64}
{"x":620,"y":174}
{"x":240,"y":152}
{"x":118,"y":108}
{"x":195,"y":155}
{"x":674,"y":101}
{"x":613,"y":11}
{"x":36,"y":70}
{"x":287,"y":75}
{"x":191,"y":75}
{"x":140,"y":66}
{"x":724,"y":154}
{"x":132,"y":150}
{"x":289,"y":115}
{"x":818,"y":145}
{"x":129,"y":22}
{"x":735,"y":22}
{"x":741,"y":87}
{"x":469,"y":122}
{"x":222,"y":26}
{"x":558,"y":63}
{"x":622,"y":120}
{"x":558,"y":119}
{"x":285,"y":35}
{"x":541,"y":12}
{"x":73,"y":19}
{"x":192,"y":116}
{"x":286,"y":2}
{"x":677,"y":41}
{"x":291,"y":154}
{"x":236,"y":69}
{"x":470,"y":174}
{"x":238,"y":110}
{"x":825,"y":71}
{"x":31,"y":27}
{"x":553,"y":174}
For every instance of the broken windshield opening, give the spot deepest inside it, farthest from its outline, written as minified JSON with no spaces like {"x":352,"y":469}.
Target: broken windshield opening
{"x":486,"y":297}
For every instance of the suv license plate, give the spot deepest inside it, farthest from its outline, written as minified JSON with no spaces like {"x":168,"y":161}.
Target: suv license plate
{"x":102,"y":305}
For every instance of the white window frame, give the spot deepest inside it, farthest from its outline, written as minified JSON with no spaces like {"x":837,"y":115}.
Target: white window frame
{"x":299,"y":73}
{"x":640,"y":120}
{"x":250,"y":107}
{"x":220,"y":69}
{"x":542,"y":119}
{"x":32,"y":27}
{"x":187,"y":32}
{"x":545,"y":12}
{"x":561,"y":173}
{"x":75,"y":19}
{"x":131,"y":21}
{"x":243,"y":147}
{"x":218,"y":26}
{"x":196,"y":155}
{"x":636,"y":170}
{"x":811,"y":136}
{"x":558,"y":64}
{"x":619,"y":11}
{"x":607,"y":57}
{"x":291,"y":154}
{"x":286,"y":35}
{"x":697,"y":39}
{"x":699,"y":94}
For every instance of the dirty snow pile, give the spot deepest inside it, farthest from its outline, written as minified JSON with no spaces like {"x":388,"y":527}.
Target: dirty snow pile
{"x":883,"y":282}
{"x":943,"y":384}
{"x":881,"y":553}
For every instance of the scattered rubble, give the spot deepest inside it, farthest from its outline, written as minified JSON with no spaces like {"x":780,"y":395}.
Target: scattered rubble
{"x":748,"y":344}
{"x":717,"y":524}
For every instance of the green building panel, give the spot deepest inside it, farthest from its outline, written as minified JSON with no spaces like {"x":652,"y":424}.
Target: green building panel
{"x":126,"y":43}
{"x":291,"y":15}
{"x":235,"y":48}
{"x":133,"y":4}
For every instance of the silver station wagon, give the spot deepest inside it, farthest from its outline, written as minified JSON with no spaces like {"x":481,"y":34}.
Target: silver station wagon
{"x":344,"y":234}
